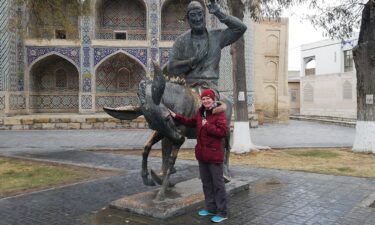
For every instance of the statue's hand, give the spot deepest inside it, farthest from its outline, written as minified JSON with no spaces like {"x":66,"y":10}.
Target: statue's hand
{"x":213,"y":7}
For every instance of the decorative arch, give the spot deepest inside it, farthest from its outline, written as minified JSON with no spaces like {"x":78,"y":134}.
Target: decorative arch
{"x":109,"y":72}
{"x":272,"y":44}
{"x":45,"y":93}
{"x":309,"y":65}
{"x":272,"y":71}
{"x":125,"y":16}
{"x":270,"y":102}
{"x":100,"y":61}
{"x":42,"y":57}
{"x":173,"y":18}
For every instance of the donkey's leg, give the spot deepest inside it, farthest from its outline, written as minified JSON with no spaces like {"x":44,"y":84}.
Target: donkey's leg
{"x":227,"y":177}
{"x":172,"y":160}
{"x":166,"y":148}
{"x":154,"y":138}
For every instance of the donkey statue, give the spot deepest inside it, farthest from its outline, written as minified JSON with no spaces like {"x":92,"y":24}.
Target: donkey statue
{"x":156,"y":97}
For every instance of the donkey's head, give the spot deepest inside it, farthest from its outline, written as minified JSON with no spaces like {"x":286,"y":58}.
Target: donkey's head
{"x":154,"y":109}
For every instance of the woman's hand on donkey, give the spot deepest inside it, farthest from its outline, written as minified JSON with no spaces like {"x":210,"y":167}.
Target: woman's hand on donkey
{"x":173,"y":114}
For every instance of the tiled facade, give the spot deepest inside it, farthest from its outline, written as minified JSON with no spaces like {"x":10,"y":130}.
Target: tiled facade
{"x":106,"y":69}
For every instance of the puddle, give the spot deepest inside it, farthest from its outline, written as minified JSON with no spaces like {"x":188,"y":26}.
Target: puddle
{"x":266,"y":186}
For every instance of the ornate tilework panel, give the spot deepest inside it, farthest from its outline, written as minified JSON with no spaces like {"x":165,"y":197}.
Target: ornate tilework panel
{"x":20,"y":64}
{"x":86,"y":56}
{"x":115,"y":101}
{"x":17,"y":102}
{"x":154,"y":54}
{"x":2,"y":102}
{"x":164,"y":55}
{"x":4,"y":44}
{"x":13,"y":78}
{"x":154,"y":30}
{"x":86,"y":101}
{"x":86,"y":70}
{"x":228,"y":94}
{"x":86,"y":87}
{"x":226,"y":78}
{"x":119,"y":73}
{"x":50,"y":101}
{"x":128,"y":15}
{"x":101,"y":53}
{"x":34,"y":53}
{"x":49,"y":73}
{"x":173,"y":22}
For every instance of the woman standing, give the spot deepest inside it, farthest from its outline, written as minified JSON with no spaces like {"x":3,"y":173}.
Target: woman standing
{"x":211,"y":125}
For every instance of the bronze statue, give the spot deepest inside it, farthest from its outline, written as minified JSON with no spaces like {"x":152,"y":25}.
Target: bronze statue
{"x":196,"y":53}
{"x":195,"y":57}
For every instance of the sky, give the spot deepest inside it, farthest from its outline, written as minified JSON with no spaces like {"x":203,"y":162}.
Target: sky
{"x":300,"y":32}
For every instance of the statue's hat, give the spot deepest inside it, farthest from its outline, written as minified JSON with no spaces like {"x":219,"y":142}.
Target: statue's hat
{"x":194,"y":5}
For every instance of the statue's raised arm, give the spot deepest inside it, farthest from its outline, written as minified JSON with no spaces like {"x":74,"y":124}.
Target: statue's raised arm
{"x":196,"y":53}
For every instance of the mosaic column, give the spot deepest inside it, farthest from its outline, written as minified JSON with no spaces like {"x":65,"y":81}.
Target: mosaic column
{"x":4,"y":51}
{"x":86,"y":95}
{"x":154,"y":29}
{"x":12,"y":97}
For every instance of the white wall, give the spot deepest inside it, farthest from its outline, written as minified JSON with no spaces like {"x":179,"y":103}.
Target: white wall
{"x":329,"y":55}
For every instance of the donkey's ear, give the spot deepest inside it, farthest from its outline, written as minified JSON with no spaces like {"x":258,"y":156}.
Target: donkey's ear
{"x":158,"y":84}
{"x":124,"y":113}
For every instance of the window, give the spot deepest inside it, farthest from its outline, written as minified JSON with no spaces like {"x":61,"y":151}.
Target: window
{"x":348,"y":61}
{"x":310,"y":65}
{"x":120,"y":35}
{"x":61,"y":78}
{"x":60,"y":34}
{"x":123,"y":78}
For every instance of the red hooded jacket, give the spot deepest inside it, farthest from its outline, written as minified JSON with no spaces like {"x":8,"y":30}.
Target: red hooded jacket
{"x":210,"y":137}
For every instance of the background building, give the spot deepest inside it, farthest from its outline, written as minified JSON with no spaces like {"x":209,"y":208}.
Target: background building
{"x":328,"y":82}
{"x":100,"y":62}
{"x":294,"y":91}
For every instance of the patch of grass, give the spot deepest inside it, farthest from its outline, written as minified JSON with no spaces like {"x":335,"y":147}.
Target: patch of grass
{"x":17,"y":176}
{"x":313,"y":153}
{"x":336,"y":161}
{"x":346,"y":169}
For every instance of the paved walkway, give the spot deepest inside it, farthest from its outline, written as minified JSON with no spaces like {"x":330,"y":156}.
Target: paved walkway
{"x":294,"y":134}
{"x":277,"y":197}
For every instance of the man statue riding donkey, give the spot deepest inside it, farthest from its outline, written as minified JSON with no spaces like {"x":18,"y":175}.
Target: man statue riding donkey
{"x":193,"y":67}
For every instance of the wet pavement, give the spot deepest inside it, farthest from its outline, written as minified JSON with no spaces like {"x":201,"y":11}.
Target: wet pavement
{"x":294,"y":134}
{"x":276,"y":197}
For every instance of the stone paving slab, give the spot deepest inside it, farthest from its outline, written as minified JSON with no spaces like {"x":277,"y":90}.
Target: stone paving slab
{"x":178,"y":200}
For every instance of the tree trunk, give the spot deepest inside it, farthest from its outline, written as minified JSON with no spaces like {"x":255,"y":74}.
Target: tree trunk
{"x":364,"y":58}
{"x":239,"y":73}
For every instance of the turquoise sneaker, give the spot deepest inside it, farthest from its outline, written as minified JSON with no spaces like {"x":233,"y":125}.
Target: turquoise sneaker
{"x":218,"y":219}
{"x":204,"y":212}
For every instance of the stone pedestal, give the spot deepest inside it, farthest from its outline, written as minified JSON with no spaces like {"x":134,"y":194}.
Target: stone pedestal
{"x":179,"y":199}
